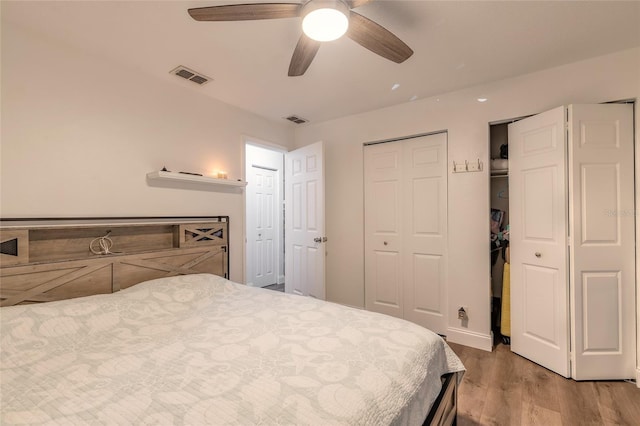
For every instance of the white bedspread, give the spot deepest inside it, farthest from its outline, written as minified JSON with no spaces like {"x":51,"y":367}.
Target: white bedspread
{"x":199,"y":349}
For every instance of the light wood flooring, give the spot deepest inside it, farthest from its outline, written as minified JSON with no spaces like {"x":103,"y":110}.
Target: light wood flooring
{"x":276,"y":287}
{"x":502,"y":388}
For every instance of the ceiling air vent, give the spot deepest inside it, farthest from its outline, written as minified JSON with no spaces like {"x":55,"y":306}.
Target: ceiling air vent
{"x":190,"y":75}
{"x":296,"y":119}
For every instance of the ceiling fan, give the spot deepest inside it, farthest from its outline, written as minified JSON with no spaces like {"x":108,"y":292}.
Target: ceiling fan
{"x":362,"y":30}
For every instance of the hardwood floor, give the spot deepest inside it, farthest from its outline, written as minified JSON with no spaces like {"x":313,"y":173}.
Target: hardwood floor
{"x":276,"y":287}
{"x":502,"y":388}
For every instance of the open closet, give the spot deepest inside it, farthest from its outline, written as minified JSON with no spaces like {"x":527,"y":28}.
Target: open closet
{"x":569,"y":217}
{"x":499,"y":221}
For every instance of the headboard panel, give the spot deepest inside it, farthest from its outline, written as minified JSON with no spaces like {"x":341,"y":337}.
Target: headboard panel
{"x":42,"y":261}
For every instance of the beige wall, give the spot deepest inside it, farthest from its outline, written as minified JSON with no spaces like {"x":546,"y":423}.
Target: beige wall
{"x":601,"y":79}
{"x":80,"y":133}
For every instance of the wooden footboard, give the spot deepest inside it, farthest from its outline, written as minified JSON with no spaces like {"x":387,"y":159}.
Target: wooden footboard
{"x":445,"y":408}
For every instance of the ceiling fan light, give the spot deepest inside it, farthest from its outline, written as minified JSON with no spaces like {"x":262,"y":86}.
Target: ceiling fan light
{"x":325,"y":21}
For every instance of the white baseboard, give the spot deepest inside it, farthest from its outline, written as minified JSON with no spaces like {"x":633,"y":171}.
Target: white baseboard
{"x":281,"y":279}
{"x":470,"y":338}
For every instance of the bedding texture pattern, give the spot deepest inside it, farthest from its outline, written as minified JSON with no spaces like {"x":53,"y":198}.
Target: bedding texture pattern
{"x":199,"y":349}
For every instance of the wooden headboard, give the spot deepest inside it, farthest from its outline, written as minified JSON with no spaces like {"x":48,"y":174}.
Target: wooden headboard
{"x":55,"y":259}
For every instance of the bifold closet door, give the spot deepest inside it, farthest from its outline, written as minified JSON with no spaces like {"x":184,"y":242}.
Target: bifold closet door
{"x":383,"y":228}
{"x":571,"y":204}
{"x":602,"y":249}
{"x":538,"y":209}
{"x":406,"y":229}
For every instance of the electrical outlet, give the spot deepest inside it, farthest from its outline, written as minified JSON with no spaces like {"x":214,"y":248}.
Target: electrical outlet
{"x":462,"y":313}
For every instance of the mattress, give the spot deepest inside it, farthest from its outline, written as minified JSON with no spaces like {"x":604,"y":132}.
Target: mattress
{"x":199,"y":349}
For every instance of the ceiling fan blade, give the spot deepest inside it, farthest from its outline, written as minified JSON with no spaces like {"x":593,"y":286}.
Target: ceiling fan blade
{"x":246,"y":12}
{"x":304,"y":53}
{"x":377,"y":39}
{"x":357,"y":3}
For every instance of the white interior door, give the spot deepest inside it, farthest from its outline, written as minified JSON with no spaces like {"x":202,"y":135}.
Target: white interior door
{"x":538,"y":210}
{"x":262,"y":196}
{"x":425,"y":231}
{"x":406,"y":229}
{"x":304,"y":221}
{"x":383,"y":228}
{"x":601,"y":185}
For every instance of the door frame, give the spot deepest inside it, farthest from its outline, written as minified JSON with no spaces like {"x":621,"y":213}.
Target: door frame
{"x":249,"y":140}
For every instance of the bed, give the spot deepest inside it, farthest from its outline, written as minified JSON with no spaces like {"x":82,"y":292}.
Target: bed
{"x":195,"y":348}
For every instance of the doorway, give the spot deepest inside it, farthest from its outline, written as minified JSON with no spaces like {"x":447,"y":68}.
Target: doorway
{"x":264,"y":170}
{"x":279,"y":233}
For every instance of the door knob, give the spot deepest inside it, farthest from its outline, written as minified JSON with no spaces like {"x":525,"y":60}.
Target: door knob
{"x":538,"y":254}
{"x":320,"y":240}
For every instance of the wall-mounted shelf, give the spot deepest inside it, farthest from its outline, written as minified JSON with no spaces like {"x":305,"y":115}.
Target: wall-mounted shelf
{"x":161,"y":176}
{"x":500,"y":173}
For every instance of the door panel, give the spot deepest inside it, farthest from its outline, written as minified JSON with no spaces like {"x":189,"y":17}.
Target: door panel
{"x":386,"y":279}
{"x":383,"y":265}
{"x":425,"y":235}
{"x":427,"y":296}
{"x":601,"y":178}
{"x":426,"y":213}
{"x":601,"y":300}
{"x":538,"y":198}
{"x":295,"y":274}
{"x":602,"y":181}
{"x":304,"y":221}
{"x":538,"y":209}
{"x":542,"y":286}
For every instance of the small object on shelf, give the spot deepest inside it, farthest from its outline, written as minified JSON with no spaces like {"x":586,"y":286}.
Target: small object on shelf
{"x":222,"y":175}
{"x":499,"y":164}
{"x":190,"y":173}
{"x":164,"y":169}
{"x":193,"y":178}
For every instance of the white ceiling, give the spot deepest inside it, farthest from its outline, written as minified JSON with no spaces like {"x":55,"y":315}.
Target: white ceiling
{"x":456,"y":44}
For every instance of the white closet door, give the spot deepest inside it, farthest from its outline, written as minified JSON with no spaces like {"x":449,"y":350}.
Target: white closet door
{"x":304,"y":221}
{"x":424,"y":244}
{"x":538,"y":209}
{"x":602,"y":216}
{"x":383,"y":228}
{"x":406,"y":229}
